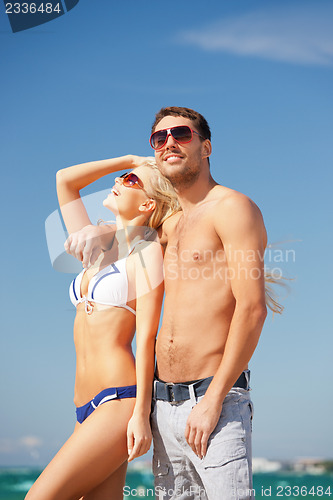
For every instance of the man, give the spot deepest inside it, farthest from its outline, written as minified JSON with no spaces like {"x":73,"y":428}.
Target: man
{"x":214,"y":311}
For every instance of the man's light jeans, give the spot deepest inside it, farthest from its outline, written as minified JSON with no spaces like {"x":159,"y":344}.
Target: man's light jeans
{"x":225,"y":473}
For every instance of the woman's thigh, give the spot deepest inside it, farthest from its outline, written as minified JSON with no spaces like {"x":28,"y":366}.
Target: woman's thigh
{"x":111,"y":488}
{"x":95,"y":450}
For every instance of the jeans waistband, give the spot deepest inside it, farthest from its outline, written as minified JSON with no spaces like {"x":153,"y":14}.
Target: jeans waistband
{"x":182,"y":391}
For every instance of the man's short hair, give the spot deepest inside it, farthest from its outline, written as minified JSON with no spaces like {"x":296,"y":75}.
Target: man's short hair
{"x":199,"y":122}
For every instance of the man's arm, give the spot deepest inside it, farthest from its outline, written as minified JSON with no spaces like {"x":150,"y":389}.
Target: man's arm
{"x":87,"y":243}
{"x":239,"y":224}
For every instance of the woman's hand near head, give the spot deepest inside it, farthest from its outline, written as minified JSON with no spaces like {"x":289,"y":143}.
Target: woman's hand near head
{"x":138,"y":161}
{"x":71,"y":180}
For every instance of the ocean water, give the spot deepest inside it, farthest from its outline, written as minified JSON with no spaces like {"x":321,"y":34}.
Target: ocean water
{"x":15,"y":482}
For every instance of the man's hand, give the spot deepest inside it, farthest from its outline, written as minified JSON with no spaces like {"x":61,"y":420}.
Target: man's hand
{"x":139,"y":437}
{"x":86,"y":244}
{"x":200,"y":424}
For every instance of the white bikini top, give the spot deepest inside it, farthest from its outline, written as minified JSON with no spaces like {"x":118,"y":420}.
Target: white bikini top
{"x":108,"y":287}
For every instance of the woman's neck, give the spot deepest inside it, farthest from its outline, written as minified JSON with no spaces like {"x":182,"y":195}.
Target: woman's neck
{"x":127,"y":235}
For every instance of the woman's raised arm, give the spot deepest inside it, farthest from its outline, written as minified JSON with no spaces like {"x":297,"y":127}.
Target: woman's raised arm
{"x":71,"y":180}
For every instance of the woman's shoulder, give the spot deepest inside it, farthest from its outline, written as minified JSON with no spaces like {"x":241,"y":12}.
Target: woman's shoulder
{"x":146,"y":262}
{"x":149,"y":248}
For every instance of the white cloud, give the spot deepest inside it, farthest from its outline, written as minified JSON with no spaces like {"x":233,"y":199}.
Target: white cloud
{"x":30,"y":442}
{"x":303,"y":35}
{"x":9,"y":446}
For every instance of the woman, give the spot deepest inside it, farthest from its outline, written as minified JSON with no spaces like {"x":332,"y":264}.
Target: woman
{"x":121,"y":293}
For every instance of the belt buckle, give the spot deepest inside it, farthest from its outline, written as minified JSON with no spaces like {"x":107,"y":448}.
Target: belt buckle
{"x":171,"y":393}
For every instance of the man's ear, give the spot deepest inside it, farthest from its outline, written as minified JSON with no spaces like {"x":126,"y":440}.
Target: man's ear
{"x":206,"y":149}
{"x":148,"y":206}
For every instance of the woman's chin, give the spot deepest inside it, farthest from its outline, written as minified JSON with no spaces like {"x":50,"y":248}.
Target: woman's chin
{"x":110,"y":204}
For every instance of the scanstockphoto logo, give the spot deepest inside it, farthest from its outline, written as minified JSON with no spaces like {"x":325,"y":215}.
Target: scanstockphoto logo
{"x":24,"y":15}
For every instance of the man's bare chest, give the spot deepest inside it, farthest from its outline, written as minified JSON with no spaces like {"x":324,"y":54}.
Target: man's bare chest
{"x":193,"y":242}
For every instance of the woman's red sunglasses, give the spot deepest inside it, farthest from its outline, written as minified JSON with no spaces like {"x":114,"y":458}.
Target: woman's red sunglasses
{"x":131,"y":180}
{"x":181,"y":134}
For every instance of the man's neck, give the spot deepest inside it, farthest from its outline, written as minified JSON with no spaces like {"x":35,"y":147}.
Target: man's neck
{"x":192,"y":196}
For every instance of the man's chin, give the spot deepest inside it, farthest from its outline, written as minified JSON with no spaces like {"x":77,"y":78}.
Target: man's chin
{"x":171,"y":168}
{"x":170,"y":174}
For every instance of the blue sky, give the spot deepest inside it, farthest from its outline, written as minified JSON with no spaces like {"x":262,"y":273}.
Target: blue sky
{"x":86,"y":86}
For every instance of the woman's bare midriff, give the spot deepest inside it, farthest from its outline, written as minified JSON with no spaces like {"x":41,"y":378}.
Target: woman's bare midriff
{"x":104,"y":356}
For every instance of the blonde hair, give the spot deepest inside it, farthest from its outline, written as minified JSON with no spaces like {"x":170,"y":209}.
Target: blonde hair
{"x":160,"y":189}
{"x":270,"y":294}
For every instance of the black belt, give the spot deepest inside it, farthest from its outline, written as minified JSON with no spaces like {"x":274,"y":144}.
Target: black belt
{"x":181,"y":392}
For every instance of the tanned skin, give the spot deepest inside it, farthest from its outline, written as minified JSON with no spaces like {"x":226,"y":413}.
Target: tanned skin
{"x":214,"y":307}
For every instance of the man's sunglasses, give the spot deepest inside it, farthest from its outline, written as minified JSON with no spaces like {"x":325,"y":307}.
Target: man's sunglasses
{"x":181,"y":134}
{"x":131,"y":180}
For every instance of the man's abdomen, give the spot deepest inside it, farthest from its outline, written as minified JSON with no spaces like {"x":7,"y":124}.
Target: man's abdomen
{"x":194,"y":331}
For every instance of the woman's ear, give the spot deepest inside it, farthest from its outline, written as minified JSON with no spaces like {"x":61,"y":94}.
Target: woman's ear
{"x":206,"y":149}
{"x":148,"y":206}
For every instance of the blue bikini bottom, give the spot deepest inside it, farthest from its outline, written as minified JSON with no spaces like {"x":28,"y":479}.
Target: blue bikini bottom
{"x":82,"y":412}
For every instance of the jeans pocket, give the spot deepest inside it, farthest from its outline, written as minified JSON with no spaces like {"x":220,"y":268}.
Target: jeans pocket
{"x":153,"y":409}
{"x":152,"y":406}
{"x":222,"y":452}
{"x":251,"y":412}
{"x":160,"y":468}
{"x":251,"y":409}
